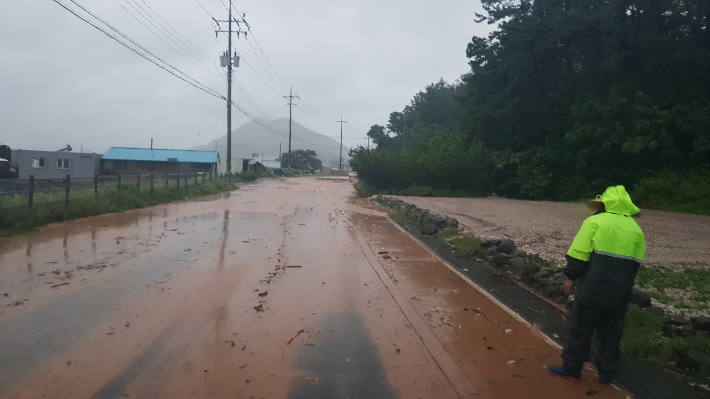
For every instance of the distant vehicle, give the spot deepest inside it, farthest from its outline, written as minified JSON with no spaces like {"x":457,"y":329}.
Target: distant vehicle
{"x":352,"y":175}
{"x":7,"y":171}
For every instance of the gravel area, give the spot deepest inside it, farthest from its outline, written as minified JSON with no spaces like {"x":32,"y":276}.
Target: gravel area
{"x":547,"y":228}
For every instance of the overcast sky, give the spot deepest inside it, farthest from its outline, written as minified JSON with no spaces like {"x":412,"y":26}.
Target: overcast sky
{"x":64,"y":82}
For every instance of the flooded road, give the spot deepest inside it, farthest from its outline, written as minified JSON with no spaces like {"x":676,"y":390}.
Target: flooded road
{"x":284,"y":289}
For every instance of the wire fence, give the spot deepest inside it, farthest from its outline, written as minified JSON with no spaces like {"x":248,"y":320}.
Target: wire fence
{"x":30,"y":193}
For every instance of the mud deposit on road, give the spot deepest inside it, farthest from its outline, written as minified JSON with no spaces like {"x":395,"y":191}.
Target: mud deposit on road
{"x":547,"y":228}
{"x":283,"y":289}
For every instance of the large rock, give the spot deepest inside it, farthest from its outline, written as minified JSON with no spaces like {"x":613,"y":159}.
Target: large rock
{"x":452,"y":222}
{"x":641,"y":299}
{"x":530,"y":269}
{"x":507,"y":247}
{"x":516,"y":265}
{"x":502,"y":259}
{"x":541,"y":275}
{"x":676,"y":320}
{"x":428,"y":229}
{"x":490,"y":243}
{"x":559,"y":280}
{"x":490,"y":251}
{"x":527,"y":280}
{"x":694,"y":360}
{"x":700,"y":323}
{"x":437,"y":221}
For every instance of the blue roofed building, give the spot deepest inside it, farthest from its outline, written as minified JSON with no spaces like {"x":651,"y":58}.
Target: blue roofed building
{"x":127,"y":160}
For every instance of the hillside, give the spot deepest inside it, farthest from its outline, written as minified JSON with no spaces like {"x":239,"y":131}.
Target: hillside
{"x":252,"y":138}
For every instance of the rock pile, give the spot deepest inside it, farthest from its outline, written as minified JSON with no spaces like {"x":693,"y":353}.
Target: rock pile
{"x":427,"y":222}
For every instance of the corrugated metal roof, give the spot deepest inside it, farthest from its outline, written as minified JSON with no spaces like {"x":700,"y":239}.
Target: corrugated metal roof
{"x":160,"y":155}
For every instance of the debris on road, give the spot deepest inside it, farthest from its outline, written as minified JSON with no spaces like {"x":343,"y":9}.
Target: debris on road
{"x":263,"y":294}
{"x":259,"y":308}
{"x":294,"y":337}
{"x":59,"y":285}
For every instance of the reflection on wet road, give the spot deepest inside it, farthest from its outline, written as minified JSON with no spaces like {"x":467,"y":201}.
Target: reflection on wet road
{"x":342,"y":362}
{"x":273,"y":291}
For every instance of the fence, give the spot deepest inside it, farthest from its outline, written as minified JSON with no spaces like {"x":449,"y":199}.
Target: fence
{"x":28,"y":193}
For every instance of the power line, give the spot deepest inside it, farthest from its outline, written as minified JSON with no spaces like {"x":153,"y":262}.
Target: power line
{"x":163,"y":40}
{"x":184,"y":78}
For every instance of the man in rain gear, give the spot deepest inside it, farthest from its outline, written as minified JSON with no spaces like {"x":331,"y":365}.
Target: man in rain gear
{"x":603,"y":259}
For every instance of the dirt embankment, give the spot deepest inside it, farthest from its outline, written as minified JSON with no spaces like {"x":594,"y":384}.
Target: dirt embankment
{"x":547,"y":228}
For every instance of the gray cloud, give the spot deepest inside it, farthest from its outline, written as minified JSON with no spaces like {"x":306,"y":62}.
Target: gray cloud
{"x":63,"y":81}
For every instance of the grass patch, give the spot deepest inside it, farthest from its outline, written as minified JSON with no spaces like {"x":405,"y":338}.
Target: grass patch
{"x":401,"y":220}
{"x":467,"y":246}
{"x":20,"y":220}
{"x":644,"y":340}
{"x":533,"y":259}
{"x":684,"y":289}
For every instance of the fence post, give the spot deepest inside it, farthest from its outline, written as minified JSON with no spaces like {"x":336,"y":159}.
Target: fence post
{"x":203,"y":177}
{"x":138,"y":182}
{"x":210,"y":175}
{"x":187,"y":176}
{"x":119,"y":182}
{"x":195,"y":178}
{"x":178,"y":180}
{"x":151,"y":184}
{"x":67,"y":191}
{"x":32,"y":189}
{"x":167,"y":176}
{"x":96,"y":185}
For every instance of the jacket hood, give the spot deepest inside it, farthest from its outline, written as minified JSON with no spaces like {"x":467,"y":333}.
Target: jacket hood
{"x":617,"y":200}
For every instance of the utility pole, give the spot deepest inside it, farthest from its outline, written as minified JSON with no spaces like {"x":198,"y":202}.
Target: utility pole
{"x":290,"y":105}
{"x":341,"y":121}
{"x":227,"y":60}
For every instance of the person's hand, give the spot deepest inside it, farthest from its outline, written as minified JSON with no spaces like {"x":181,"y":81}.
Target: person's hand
{"x":567,"y":286}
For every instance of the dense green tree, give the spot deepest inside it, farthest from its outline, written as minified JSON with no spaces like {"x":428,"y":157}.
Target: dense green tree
{"x":563,"y":98}
{"x":301,"y":159}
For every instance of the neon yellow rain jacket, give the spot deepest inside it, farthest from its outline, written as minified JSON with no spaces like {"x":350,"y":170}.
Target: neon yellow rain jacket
{"x":607,"y":251}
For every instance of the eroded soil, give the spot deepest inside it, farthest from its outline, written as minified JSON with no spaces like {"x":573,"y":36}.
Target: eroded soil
{"x":284,"y":289}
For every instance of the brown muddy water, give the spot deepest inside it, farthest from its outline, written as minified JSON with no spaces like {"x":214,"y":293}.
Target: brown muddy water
{"x":284,"y":289}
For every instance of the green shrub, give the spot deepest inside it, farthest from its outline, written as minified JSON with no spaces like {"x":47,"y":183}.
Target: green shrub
{"x":687,"y":192}
{"x":418,"y":191}
{"x":244,"y":176}
{"x":363,"y":190}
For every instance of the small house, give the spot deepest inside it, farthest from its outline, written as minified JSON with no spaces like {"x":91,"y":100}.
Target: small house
{"x":54,"y":164}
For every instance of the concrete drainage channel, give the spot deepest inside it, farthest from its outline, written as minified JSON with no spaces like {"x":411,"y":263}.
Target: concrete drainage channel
{"x":643,"y":380}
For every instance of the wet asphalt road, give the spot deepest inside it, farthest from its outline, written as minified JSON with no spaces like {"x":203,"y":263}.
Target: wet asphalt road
{"x":283,"y":289}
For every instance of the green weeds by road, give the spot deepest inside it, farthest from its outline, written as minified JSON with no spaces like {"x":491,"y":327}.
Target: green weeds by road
{"x":15,"y":220}
{"x":685,"y":289}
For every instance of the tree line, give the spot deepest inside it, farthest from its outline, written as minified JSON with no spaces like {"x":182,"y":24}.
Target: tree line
{"x":564,"y":98}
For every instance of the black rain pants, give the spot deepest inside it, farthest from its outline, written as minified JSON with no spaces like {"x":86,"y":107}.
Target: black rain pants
{"x":609,"y":326}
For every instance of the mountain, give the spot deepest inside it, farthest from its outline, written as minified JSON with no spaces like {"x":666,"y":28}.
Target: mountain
{"x":253,"y":138}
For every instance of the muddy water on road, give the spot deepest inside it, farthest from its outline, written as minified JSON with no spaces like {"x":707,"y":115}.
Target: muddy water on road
{"x":274,"y":291}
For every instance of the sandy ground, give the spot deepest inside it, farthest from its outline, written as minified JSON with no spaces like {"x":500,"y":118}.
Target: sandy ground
{"x":547,"y":228}
{"x":284,"y":289}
